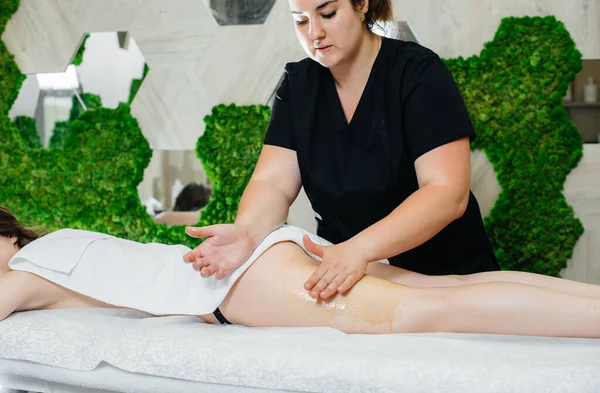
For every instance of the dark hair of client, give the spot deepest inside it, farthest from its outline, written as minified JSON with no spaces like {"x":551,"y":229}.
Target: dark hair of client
{"x":10,"y":226}
{"x":192,"y":197}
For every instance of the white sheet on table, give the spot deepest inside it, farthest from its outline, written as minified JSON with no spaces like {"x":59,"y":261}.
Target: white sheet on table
{"x":22,"y":375}
{"x":300,"y":359}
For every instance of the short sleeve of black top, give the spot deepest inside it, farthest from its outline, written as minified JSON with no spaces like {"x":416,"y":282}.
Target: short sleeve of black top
{"x":279,"y":132}
{"x":357,"y":173}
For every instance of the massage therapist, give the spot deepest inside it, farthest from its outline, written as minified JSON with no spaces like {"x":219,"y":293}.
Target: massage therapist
{"x":377,"y":133}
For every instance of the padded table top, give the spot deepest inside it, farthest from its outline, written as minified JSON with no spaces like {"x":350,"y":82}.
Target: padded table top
{"x":80,"y":343}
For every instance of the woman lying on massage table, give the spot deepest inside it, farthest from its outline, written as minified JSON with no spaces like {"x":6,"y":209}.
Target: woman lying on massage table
{"x":70,"y":268}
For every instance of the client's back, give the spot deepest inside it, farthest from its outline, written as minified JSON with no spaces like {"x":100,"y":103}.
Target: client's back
{"x":149,"y":277}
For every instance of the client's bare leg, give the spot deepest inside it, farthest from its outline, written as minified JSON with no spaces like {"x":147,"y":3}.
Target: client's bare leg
{"x":406,"y":277}
{"x":271,"y":293}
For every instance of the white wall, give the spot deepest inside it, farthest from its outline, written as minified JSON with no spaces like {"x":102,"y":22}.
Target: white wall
{"x":455,"y":28}
{"x":582,"y":192}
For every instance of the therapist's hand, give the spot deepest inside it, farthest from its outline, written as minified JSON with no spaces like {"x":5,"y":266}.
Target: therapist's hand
{"x":342,"y":267}
{"x":226,"y":247}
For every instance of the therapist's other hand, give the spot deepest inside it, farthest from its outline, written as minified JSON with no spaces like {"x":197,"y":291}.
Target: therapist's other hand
{"x":341,"y":268}
{"x":227,"y":246}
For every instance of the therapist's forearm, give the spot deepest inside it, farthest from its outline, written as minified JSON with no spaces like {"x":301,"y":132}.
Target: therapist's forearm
{"x":262,"y":209}
{"x":420,"y":217}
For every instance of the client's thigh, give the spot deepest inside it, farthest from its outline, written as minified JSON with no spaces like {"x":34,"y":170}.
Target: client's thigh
{"x":271,"y":293}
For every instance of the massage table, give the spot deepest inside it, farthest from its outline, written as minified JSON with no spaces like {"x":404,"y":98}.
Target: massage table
{"x":116,"y":350}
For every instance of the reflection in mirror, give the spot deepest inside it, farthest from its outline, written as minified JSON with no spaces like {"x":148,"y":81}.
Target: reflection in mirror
{"x":175,"y":188}
{"x":241,"y":12}
{"x":582,"y":102}
{"x":107,"y":70}
{"x":44,"y":101}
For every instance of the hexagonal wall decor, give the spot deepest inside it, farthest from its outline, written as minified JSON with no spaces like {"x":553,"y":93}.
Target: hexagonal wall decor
{"x":241,"y":12}
{"x":194,"y":62}
{"x":107,"y":70}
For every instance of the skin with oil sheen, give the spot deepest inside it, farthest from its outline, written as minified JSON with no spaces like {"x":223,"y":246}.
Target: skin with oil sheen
{"x":351,"y":314}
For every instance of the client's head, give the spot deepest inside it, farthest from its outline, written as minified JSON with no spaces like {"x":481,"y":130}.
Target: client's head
{"x":193,"y":197}
{"x":13,"y":236}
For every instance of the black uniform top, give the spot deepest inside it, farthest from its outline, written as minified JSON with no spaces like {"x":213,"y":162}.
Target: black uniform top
{"x":355,"y":174}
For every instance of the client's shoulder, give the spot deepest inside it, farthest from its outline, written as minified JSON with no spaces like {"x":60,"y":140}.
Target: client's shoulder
{"x":17,"y":278}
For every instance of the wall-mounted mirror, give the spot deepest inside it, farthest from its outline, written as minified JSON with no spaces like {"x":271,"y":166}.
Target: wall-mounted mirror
{"x":175,"y":188}
{"x":241,"y":12}
{"x":106,"y":70}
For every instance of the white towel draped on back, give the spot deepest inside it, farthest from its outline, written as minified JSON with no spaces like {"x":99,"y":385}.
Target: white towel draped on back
{"x":149,"y":277}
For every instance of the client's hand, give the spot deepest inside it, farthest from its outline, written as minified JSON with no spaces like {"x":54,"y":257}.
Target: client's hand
{"x":341,"y":268}
{"x":226,"y":248}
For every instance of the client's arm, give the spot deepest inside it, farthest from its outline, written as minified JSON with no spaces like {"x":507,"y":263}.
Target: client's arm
{"x":16,"y":290}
